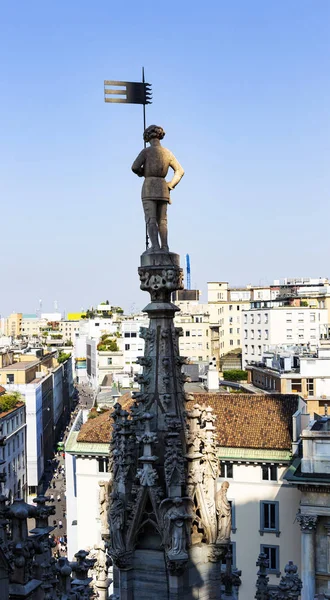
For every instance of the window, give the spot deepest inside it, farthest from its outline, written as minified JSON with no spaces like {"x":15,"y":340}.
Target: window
{"x":231,"y":330}
{"x":245,"y":319}
{"x":127,"y":334}
{"x":313,"y":334}
{"x":312,"y":317}
{"x":238,"y":330}
{"x":231,"y":343}
{"x":226,"y":470}
{"x":310,"y":387}
{"x":238,"y":342}
{"x":259,"y":350}
{"x":245,"y":334}
{"x":300,"y":317}
{"x":237,"y":307}
{"x":252,"y":319}
{"x":252,"y":334}
{"x":127,"y":346}
{"x":266,"y":334}
{"x":230,"y":307}
{"x":230,"y":319}
{"x":289,"y":334}
{"x":296,"y":386}
{"x":289,"y":317}
{"x":193,"y":332}
{"x":259,"y":334}
{"x":266,"y":318}
{"x":199,"y":332}
{"x":273,"y":555}
{"x":103,"y":464}
{"x":133,"y":334}
{"x":109,"y":361}
{"x":252,"y":349}
{"x":269,"y":518}
{"x":10,"y":378}
{"x":187,"y":333}
{"x":233,"y":515}
{"x":300,"y":334}
{"x":269,"y":472}
{"x":245,"y":349}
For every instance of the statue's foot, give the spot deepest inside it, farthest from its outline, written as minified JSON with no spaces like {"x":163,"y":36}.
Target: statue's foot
{"x":152,"y":250}
{"x":165,"y":248}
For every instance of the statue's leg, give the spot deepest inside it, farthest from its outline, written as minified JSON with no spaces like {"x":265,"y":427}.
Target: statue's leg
{"x":162,"y":224}
{"x":150,"y":214}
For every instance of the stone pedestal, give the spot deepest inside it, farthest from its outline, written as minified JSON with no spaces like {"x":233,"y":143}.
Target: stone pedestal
{"x":308,"y":552}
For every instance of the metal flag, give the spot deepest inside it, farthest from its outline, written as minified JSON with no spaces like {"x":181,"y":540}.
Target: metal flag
{"x":130,"y":92}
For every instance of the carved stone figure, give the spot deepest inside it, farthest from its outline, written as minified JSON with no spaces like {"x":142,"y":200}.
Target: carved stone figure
{"x":223,"y":509}
{"x":117,"y":515}
{"x":105,"y":487}
{"x":101,"y":566}
{"x":177,"y":523}
{"x":153,"y":164}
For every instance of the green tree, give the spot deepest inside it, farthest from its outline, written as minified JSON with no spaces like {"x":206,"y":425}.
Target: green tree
{"x":9,"y":401}
{"x":63,"y":356}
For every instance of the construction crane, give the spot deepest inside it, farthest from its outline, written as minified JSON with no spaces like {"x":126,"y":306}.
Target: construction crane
{"x":188,"y":272}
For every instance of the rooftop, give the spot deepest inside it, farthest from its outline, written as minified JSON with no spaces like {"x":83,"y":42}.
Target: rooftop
{"x":21,"y":366}
{"x":261,"y":422}
{"x":248,"y":421}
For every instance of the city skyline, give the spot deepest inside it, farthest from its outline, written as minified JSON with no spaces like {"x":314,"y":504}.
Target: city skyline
{"x":242,"y":93}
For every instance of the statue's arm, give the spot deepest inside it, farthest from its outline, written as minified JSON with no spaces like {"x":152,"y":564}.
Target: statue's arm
{"x":178,"y":172}
{"x":138,"y":164}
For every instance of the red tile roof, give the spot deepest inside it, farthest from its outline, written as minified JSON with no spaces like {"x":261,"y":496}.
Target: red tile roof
{"x":2,"y":390}
{"x":243,"y":420}
{"x":252,"y":421}
{"x":99,"y":428}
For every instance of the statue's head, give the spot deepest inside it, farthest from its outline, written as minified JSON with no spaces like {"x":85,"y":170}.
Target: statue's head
{"x":225,"y":486}
{"x":153,"y":131}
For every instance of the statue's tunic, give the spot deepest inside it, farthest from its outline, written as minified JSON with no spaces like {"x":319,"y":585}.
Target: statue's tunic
{"x":153,"y":163}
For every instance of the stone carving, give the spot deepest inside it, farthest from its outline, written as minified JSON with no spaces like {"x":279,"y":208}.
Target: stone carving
{"x":290,"y":585}
{"x":159,"y":281}
{"x":117,"y":519}
{"x":307,"y":522}
{"x":196,"y":536}
{"x":223,"y":509}
{"x":153,"y":164}
{"x":104,"y":497}
{"x":262,"y":592}
{"x":176,"y":528}
{"x":103,"y":561}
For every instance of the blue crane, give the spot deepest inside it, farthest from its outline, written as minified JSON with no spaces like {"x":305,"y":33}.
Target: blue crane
{"x":188,"y":272}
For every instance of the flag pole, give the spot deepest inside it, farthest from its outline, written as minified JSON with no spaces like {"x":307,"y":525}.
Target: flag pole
{"x":145,"y":145}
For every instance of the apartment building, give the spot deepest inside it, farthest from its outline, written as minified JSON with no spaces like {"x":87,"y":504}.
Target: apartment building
{"x":255,"y":436}
{"x":270,"y":324}
{"x":47,"y":388}
{"x":13,"y":453}
{"x":195,"y":342}
{"x":225,"y":306}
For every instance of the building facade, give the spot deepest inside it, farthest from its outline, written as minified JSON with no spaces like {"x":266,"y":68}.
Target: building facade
{"x":13,"y":423}
{"x":271,"y":325}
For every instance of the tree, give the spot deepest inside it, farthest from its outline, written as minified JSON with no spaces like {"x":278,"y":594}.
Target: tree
{"x":63,"y":356}
{"x":9,"y":401}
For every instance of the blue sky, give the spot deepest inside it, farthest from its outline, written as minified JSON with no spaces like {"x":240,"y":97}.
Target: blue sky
{"x":242,"y":90}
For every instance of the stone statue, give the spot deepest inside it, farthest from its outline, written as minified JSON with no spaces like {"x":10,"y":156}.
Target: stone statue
{"x":117,"y":516}
{"x":153,"y":164}
{"x":177,"y":525}
{"x":223,"y":509}
{"x":105,"y":487}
